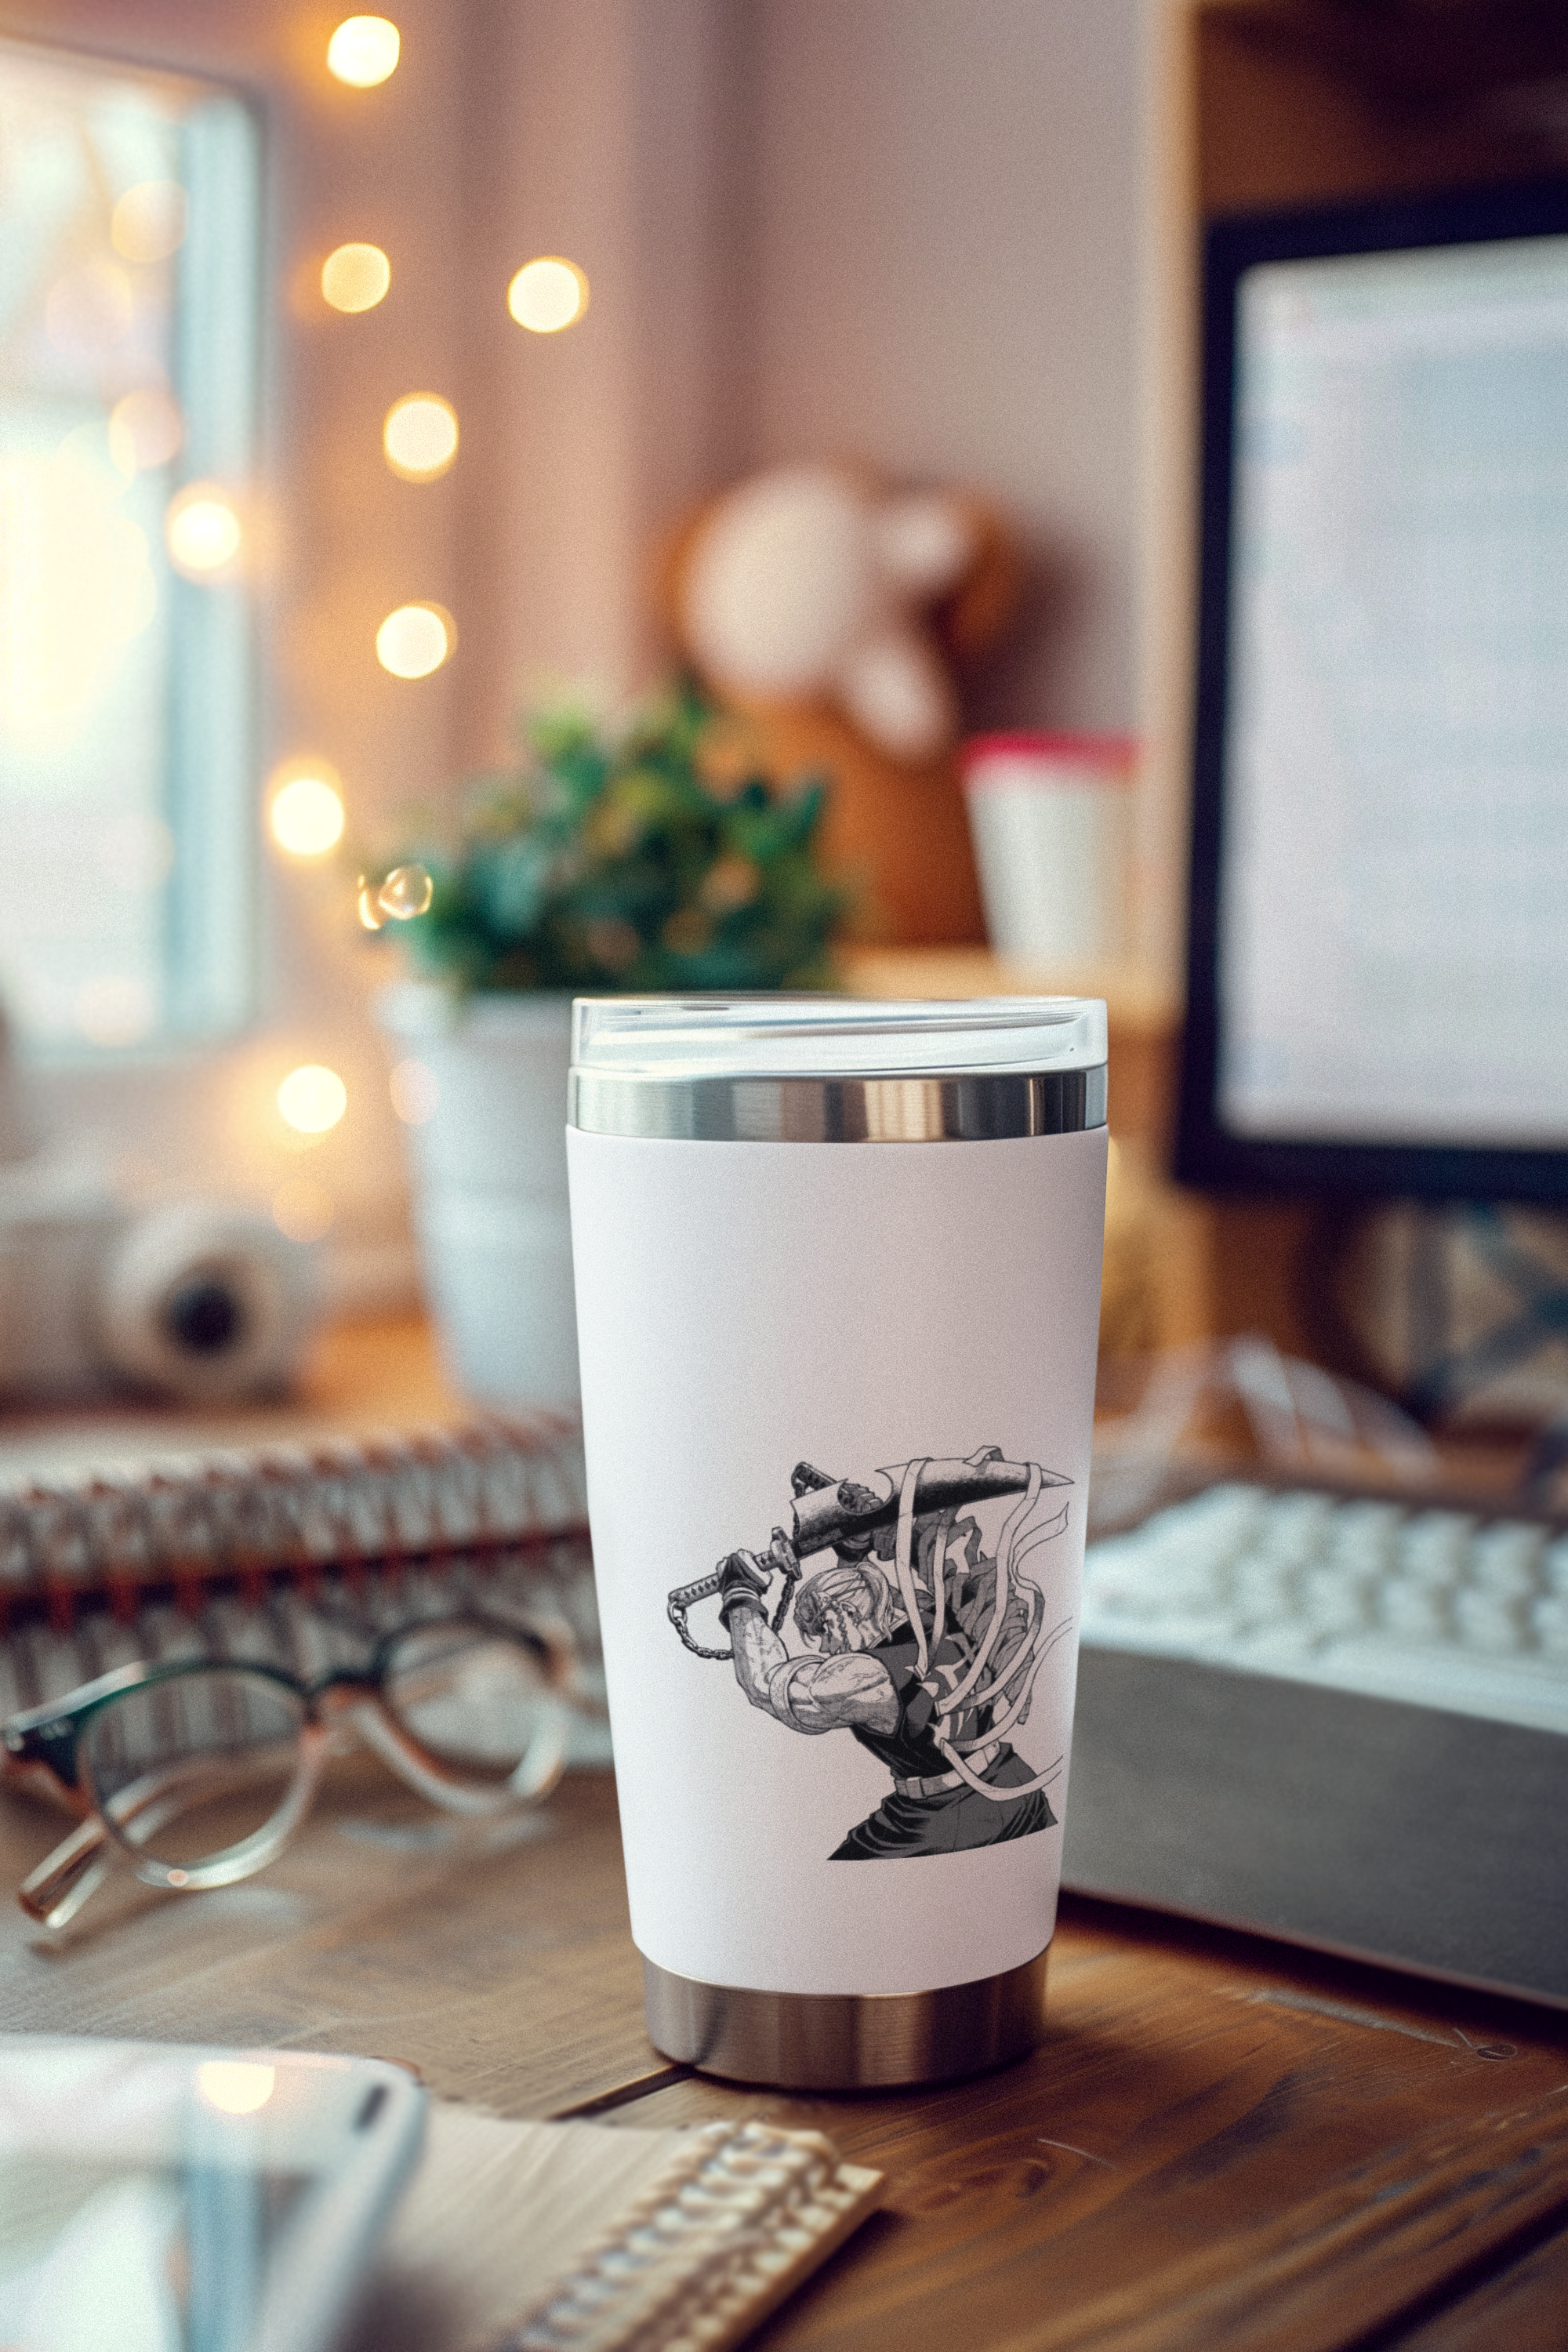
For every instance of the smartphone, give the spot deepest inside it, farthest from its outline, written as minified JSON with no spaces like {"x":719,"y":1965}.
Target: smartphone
{"x":156,"y":2199}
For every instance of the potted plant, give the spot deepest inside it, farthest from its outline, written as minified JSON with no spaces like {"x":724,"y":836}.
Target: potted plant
{"x":648,"y":858}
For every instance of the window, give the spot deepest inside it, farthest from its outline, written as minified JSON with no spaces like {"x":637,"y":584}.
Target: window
{"x":129,"y":303}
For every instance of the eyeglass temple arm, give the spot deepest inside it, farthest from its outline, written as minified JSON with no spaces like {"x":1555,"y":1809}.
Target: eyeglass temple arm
{"x":56,"y":1891}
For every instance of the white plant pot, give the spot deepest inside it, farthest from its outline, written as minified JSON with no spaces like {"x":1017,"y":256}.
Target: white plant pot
{"x":487,"y":1165}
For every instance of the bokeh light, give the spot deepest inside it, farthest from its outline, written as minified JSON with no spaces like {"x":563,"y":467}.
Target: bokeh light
{"x":416,"y":1091}
{"x":148,"y":222}
{"x":355,"y":276}
{"x":406,"y":892}
{"x":235,"y":2086}
{"x":415,"y":640}
{"x":363,"y":51}
{"x":302,"y":1210}
{"x":420,"y":437}
{"x":312,"y":1098}
{"x":146,"y":430}
{"x":547,"y":295}
{"x":305,"y":815}
{"x":202,"y":530}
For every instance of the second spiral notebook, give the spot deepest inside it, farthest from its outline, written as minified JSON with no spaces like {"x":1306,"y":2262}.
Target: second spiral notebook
{"x":291,"y":1553}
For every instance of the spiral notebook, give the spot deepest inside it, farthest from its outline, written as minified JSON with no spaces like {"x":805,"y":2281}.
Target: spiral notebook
{"x":290,"y":1554}
{"x":540,"y":2237}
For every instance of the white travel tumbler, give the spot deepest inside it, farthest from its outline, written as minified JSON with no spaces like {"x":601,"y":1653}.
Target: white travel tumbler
{"x":837,"y":1268}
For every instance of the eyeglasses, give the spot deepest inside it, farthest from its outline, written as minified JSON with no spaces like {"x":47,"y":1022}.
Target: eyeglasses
{"x":198,"y":1773}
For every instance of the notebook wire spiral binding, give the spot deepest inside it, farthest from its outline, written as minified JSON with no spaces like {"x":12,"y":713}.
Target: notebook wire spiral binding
{"x":295,"y":1556}
{"x":709,"y":2248}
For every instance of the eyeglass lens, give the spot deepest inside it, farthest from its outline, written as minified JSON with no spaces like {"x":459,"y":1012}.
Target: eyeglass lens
{"x":191,"y":1767}
{"x":475,"y":1698}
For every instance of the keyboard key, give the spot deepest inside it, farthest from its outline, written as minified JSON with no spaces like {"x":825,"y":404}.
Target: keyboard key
{"x":1438,"y":1607}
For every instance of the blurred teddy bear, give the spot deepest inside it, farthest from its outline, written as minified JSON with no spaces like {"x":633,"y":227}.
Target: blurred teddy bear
{"x":826,"y":609}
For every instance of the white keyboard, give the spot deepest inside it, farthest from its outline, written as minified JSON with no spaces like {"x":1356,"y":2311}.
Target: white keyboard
{"x":1434,"y":1607}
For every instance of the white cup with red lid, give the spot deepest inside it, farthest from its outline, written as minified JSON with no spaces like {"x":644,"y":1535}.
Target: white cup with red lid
{"x":1051,"y":818}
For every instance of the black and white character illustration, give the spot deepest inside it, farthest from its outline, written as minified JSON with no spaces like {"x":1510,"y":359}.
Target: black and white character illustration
{"x":921,"y":1645}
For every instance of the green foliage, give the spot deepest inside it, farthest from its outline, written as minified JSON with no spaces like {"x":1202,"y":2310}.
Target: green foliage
{"x":605,"y":864}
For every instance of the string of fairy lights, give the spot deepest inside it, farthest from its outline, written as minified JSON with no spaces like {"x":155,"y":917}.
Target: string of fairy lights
{"x":420,"y":437}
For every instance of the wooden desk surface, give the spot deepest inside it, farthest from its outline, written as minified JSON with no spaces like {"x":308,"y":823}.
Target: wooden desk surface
{"x":1222,"y":2142}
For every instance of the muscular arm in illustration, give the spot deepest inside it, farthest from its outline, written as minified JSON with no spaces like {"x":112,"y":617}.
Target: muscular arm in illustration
{"x":831,"y":1692}
{"x":809,"y":1694}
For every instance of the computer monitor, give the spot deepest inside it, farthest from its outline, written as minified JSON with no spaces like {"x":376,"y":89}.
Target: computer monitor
{"x":1378,"y":929}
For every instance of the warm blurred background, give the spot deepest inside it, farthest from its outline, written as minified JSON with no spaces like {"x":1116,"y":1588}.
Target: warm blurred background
{"x":367,"y":381}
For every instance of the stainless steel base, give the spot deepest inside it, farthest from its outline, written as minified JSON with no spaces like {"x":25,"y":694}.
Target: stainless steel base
{"x":847,"y":2041}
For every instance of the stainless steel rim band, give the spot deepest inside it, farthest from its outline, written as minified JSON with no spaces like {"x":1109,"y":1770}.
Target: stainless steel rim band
{"x":980,"y":1108}
{"x":847,"y":2041}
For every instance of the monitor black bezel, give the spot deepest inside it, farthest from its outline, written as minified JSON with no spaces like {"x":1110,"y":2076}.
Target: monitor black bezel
{"x":1209,"y":1154}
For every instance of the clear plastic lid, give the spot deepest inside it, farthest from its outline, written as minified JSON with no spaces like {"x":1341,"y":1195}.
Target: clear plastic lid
{"x":678,"y":1037}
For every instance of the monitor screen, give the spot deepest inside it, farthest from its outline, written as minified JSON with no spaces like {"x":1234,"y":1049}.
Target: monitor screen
{"x":1379,"y":928}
